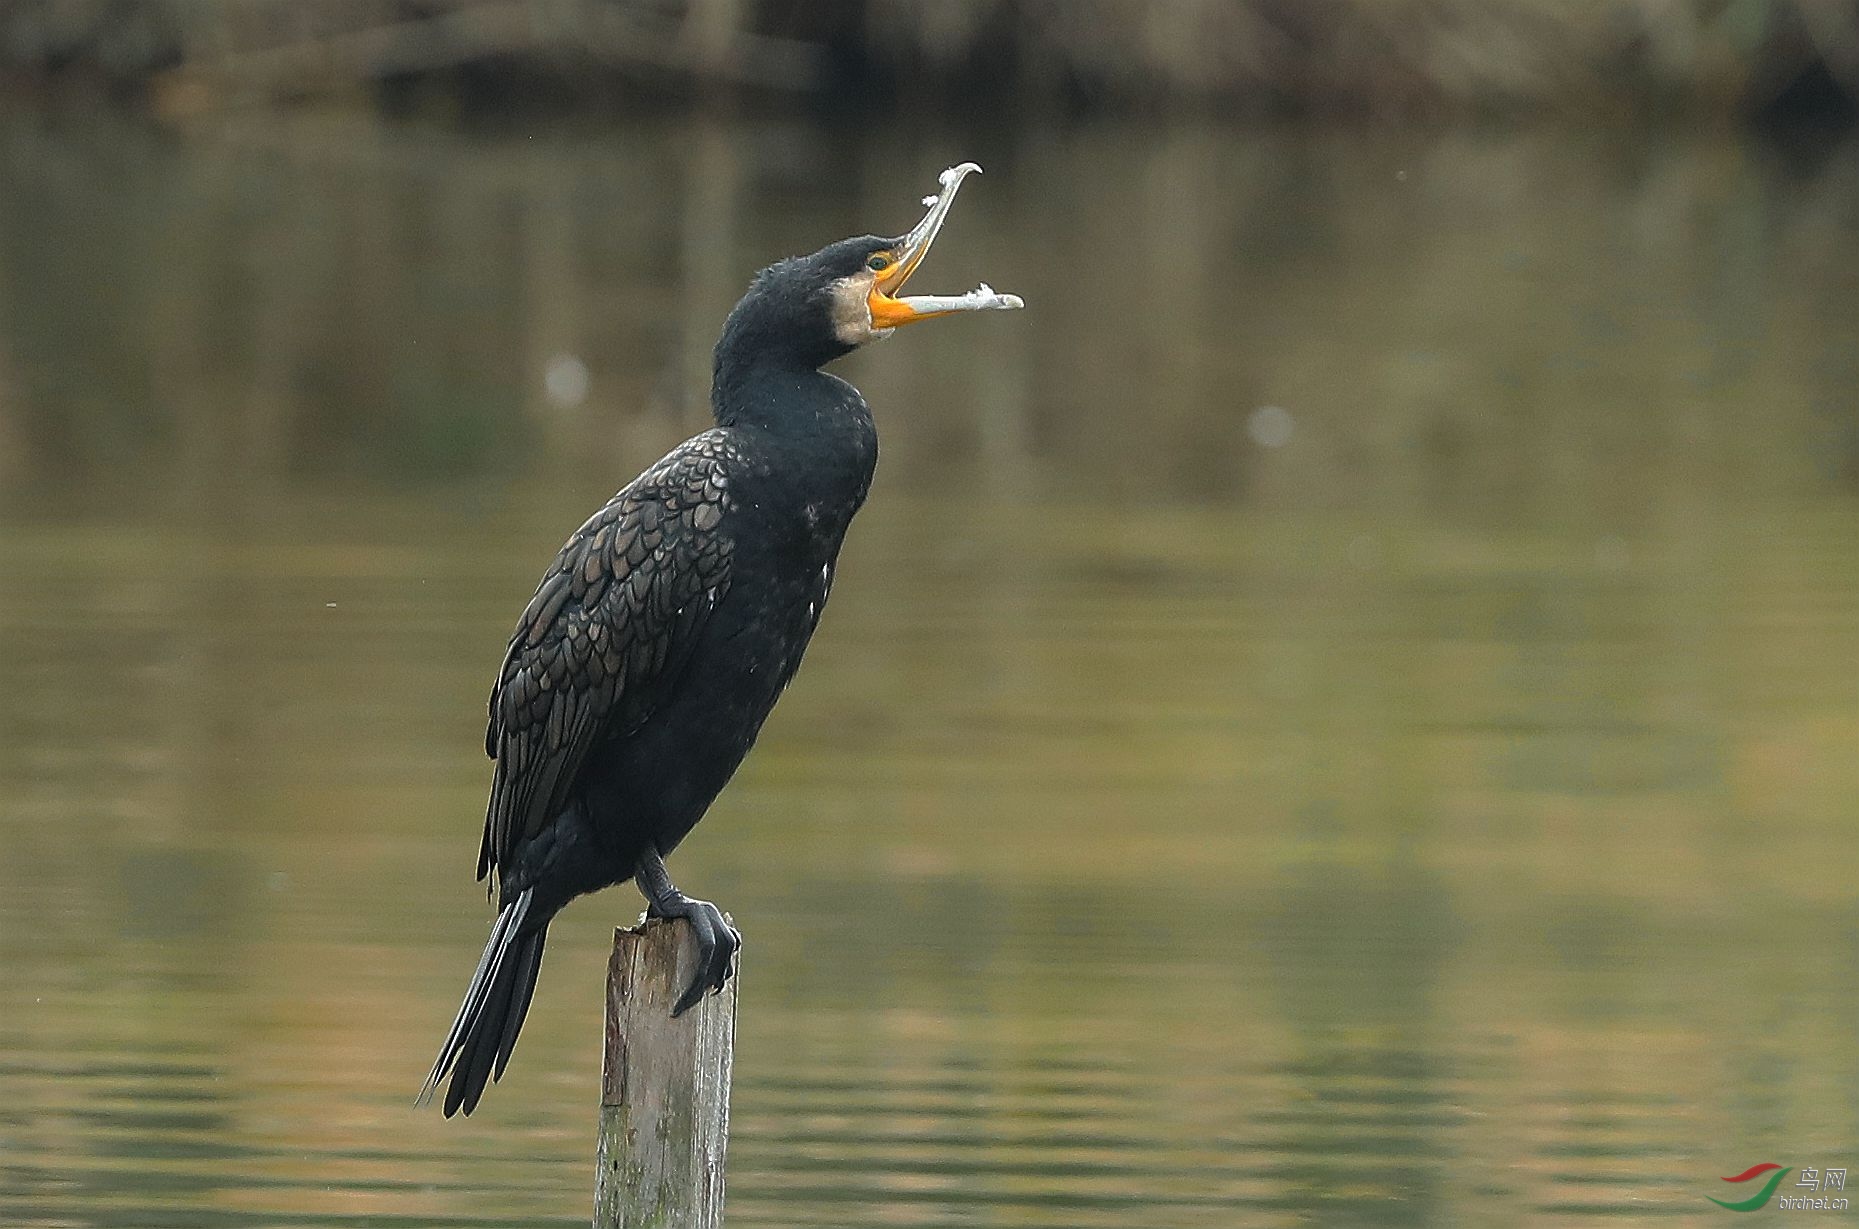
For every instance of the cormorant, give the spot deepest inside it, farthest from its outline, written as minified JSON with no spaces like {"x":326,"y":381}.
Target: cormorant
{"x":666,"y":628}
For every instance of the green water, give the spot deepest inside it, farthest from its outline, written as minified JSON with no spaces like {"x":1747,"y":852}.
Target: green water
{"x":1444,"y":815}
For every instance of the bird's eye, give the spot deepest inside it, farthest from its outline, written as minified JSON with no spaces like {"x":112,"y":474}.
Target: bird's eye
{"x":878,"y":263}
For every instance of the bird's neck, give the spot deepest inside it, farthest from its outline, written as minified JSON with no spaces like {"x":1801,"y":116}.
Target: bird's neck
{"x":781,"y":397}
{"x":814,"y":429}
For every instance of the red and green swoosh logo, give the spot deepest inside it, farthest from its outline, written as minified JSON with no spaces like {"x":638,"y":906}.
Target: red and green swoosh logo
{"x":1775,"y":1172}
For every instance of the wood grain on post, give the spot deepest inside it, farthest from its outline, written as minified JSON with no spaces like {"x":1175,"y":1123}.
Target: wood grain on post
{"x":664,"y":1099}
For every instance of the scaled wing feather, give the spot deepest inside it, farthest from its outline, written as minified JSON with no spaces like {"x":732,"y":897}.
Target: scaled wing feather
{"x":603,"y":639}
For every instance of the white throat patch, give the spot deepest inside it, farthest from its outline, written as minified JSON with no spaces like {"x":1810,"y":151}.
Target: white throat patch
{"x":852,"y":310}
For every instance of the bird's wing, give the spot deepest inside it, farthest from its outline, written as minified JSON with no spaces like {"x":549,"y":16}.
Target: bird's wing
{"x":605,"y":636}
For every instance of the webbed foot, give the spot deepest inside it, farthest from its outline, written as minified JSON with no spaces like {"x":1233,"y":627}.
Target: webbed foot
{"x":717,"y":945}
{"x":717,"y":941}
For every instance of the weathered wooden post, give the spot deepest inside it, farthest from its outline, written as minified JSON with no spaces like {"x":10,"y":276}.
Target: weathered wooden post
{"x":664,"y":1099}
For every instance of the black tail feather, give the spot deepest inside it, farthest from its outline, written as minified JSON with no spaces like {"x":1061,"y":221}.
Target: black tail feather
{"x":484,"y":1032}
{"x":523,"y":984}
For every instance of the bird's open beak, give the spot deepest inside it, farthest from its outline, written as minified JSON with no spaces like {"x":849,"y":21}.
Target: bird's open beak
{"x":888,"y":310}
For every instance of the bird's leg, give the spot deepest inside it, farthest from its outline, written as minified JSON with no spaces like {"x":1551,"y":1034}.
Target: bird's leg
{"x":717,"y":940}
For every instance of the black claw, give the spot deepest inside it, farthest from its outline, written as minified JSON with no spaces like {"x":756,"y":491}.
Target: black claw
{"x":717,"y":945}
{"x":692,"y":998}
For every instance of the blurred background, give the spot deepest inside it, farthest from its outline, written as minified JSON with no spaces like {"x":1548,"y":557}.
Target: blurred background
{"x":1343,"y":712}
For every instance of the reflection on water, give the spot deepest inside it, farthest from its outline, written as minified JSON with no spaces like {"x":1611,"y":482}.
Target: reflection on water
{"x":1427,"y":803}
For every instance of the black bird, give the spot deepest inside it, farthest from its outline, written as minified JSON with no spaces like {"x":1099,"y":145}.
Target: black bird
{"x":666,"y":628}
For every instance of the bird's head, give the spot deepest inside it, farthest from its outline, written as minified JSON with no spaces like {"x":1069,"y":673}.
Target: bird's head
{"x":813,"y":309}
